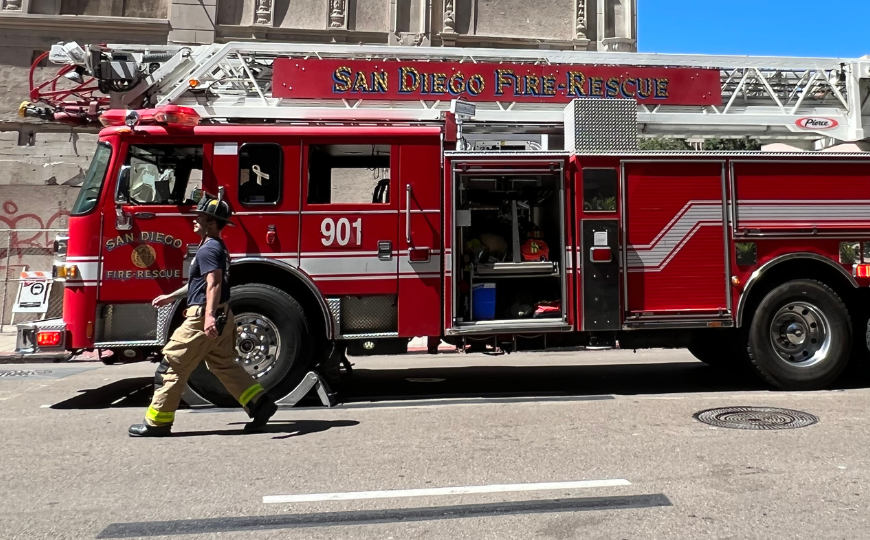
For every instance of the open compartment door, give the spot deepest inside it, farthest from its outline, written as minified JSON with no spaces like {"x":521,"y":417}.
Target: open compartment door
{"x":507,"y":247}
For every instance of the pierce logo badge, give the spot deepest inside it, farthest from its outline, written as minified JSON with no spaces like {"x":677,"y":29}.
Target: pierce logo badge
{"x":816,"y":123}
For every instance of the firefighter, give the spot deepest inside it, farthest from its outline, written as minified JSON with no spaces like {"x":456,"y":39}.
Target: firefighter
{"x":208,"y":333}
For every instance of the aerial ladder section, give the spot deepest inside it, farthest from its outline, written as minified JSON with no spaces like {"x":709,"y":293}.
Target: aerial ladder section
{"x":812,"y":100}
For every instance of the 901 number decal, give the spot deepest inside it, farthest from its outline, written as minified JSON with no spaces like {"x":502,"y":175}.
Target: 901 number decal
{"x":340,"y":232}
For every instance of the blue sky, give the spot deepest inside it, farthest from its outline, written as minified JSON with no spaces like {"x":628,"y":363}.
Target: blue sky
{"x":762,"y":27}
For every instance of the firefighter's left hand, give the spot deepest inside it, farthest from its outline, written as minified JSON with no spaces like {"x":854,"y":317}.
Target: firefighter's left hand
{"x":211,"y":326}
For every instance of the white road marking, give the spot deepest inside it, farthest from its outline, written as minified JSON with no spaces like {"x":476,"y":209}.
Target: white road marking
{"x":429,"y":492}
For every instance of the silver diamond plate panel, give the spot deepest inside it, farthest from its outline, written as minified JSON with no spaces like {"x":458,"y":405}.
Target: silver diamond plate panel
{"x":601,"y":125}
{"x":368,"y":314}
{"x":126,"y":323}
{"x":335,"y":309}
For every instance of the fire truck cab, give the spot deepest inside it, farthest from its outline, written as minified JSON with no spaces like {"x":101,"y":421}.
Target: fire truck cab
{"x":365,"y":234}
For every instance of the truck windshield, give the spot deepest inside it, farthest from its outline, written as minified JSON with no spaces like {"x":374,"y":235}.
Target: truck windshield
{"x":94,"y":179}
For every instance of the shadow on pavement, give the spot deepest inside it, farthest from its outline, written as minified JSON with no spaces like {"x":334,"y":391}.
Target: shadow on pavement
{"x":291,"y":428}
{"x":537,"y":381}
{"x":134,"y":392}
{"x":411,"y":384}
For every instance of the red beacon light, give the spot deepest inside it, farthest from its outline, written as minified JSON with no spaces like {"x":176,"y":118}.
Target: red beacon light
{"x":174,"y":115}
{"x":170,"y":115}
{"x":119,"y":117}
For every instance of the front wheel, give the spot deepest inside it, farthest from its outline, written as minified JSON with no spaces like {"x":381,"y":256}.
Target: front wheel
{"x":801,"y":336}
{"x":273,"y":344}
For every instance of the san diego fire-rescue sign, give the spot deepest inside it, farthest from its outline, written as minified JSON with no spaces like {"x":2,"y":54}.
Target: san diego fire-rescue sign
{"x":396,"y":80}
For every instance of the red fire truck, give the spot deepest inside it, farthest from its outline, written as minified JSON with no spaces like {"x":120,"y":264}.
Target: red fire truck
{"x":490,"y":199}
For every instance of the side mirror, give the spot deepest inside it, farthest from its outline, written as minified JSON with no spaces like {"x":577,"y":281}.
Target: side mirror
{"x":122,"y":190}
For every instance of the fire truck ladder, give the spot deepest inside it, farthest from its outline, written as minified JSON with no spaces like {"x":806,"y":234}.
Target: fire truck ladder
{"x":762,"y":97}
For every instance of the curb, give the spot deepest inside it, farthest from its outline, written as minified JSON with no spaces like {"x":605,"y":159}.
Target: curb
{"x":442,"y":348}
{"x":17,"y":358}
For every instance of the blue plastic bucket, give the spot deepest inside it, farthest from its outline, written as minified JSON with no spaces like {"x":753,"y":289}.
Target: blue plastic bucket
{"x":483,"y":302}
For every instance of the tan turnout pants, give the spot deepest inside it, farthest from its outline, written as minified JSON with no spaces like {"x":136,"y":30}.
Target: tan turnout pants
{"x":187,"y":347}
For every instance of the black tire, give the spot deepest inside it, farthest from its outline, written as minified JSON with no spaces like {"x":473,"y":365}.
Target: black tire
{"x":288,"y":324}
{"x":801,"y":336}
{"x":716,"y":348}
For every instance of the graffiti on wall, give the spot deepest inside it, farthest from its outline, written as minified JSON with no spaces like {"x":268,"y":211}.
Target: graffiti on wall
{"x":25,"y":234}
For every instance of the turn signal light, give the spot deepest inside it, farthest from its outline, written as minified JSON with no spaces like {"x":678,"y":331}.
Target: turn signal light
{"x":177,"y":116}
{"x":65,"y":271}
{"x":48,"y":339}
{"x":861,"y":270}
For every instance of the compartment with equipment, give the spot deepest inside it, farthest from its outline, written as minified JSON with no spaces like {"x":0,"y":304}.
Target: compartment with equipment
{"x":509,"y":238}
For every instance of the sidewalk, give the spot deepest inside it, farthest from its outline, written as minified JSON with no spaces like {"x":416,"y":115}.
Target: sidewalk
{"x":420,"y":344}
{"x":7,"y":340}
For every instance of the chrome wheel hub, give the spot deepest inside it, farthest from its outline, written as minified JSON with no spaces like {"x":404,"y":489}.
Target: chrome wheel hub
{"x":258,"y":345}
{"x":800,"y":334}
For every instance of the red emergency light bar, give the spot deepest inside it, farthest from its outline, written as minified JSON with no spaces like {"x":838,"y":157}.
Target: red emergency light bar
{"x":170,"y":115}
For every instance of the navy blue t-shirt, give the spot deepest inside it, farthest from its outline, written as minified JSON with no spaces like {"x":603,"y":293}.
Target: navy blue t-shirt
{"x":211,"y":256}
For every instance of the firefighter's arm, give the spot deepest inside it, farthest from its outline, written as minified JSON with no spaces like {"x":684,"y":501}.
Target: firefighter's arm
{"x":164,"y":299}
{"x":213,"y":282}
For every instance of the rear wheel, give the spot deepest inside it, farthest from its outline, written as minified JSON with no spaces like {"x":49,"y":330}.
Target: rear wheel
{"x":273,"y":344}
{"x":801,"y":336}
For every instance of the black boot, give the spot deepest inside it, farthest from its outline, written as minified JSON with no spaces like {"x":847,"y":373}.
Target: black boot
{"x":146,"y":430}
{"x":260,"y":413}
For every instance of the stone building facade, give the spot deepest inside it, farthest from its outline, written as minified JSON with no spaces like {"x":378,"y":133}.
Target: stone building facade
{"x":42,"y":164}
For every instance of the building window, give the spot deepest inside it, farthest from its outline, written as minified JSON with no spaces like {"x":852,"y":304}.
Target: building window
{"x":349,"y":174}
{"x":599,"y":190}
{"x":260,"y":167}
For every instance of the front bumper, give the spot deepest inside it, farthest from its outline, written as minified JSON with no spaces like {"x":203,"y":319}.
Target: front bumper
{"x":27,"y":345}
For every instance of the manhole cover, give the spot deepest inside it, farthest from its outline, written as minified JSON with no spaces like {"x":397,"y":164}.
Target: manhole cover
{"x":756,"y":418}
{"x":23,"y":373}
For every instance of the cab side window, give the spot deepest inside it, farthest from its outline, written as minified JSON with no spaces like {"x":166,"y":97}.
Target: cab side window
{"x":260,"y":168}
{"x":349,"y":174}
{"x":160,"y":174}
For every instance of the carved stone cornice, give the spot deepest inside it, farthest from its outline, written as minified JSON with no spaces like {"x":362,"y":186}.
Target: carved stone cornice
{"x":263,"y":13}
{"x":581,"y":26}
{"x":449,"y":17}
{"x":83,"y":23}
{"x":619,"y":45}
{"x":337,"y":14}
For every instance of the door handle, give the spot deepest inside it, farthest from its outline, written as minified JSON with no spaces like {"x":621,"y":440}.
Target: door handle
{"x":144,"y":215}
{"x":385,"y":250}
{"x":408,"y":214}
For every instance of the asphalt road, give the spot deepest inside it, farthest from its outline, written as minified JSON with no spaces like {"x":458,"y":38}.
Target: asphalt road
{"x":553,"y":446}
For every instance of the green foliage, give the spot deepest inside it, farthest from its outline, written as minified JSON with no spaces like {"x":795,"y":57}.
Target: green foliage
{"x":664,"y":144}
{"x":607,"y":204}
{"x":732,"y":144}
{"x":710,"y":145}
{"x":850,"y":252}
